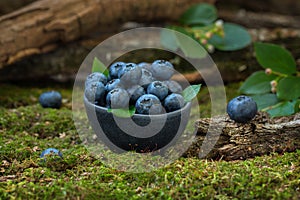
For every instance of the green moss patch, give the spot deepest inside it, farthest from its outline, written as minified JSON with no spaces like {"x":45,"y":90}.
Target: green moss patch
{"x":27,"y":129}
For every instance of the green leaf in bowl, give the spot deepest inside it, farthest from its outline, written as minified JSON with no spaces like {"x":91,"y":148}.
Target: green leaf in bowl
{"x":98,"y":66}
{"x":122,"y":112}
{"x":191,"y":92}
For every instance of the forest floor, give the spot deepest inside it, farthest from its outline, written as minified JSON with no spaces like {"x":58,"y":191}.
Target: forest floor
{"x":26,"y":129}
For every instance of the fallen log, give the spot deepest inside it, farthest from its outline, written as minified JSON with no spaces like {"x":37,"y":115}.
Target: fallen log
{"x":44,"y":25}
{"x":259,"y":137}
{"x":258,"y":20}
{"x":7,"y":6}
{"x":288,"y":7}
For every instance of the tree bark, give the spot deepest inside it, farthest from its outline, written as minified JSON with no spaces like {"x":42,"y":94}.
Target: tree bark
{"x":41,"y":26}
{"x":261,"y":136}
{"x":258,"y":20}
{"x":62,"y":64}
{"x":7,"y":6}
{"x":288,"y":7}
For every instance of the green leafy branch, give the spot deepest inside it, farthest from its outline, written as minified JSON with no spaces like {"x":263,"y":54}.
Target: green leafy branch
{"x":201,"y":23}
{"x":277,"y":89}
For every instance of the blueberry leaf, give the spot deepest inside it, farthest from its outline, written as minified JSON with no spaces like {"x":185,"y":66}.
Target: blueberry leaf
{"x":122,"y":112}
{"x":265,"y":100}
{"x":168,"y":39}
{"x":191,"y":92}
{"x":285,"y":108}
{"x":190,"y":48}
{"x":275,"y":57}
{"x":184,"y":40}
{"x":201,"y":14}
{"x":257,"y":83}
{"x":297,"y":105}
{"x":236,"y":37}
{"x":289,"y":88}
{"x":98,"y":66}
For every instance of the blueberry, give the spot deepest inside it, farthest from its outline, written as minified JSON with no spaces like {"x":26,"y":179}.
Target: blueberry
{"x":51,"y":99}
{"x":117,"y":98}
{"x":50,"y":152}
{"x":146,"y":78}
{"x":173,"y":87}
{"x":115,"y":68}
{"x":95,"y":93}
{"x":242,"y":109}
{"x":135,"y":92}
{"x":130,"y":74}
{"x":112,"y":84}
{"x":162,"y":69}
{"x":109,"y":78}
{"x":173,"y":102}
{"x":158,"y":89}
{"x":148,"y":104}
{"x":95,"y":77}
{"x":145,"y":65}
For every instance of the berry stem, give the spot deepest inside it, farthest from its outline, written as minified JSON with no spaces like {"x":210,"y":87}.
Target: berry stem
{"x":271,"y":107}
{"x":280,"y":74}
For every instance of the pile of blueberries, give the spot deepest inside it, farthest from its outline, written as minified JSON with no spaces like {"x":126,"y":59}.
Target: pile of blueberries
{"x":147,"y":86}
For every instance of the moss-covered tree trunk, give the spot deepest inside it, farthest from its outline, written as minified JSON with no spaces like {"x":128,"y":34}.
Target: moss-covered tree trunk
{"x":43,"y":25}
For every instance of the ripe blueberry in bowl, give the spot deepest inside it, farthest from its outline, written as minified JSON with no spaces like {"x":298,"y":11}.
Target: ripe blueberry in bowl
{"x":173,"y":86}
{"x":173,"y":102}
{"x":130,"y":74}
{"x":135,"y":92}
{"x":112,"y":84}
{"x":242,"y":109}
{"x":117,"y":98}
{"x":158,"y":89}
{"x":146,"y":78}
{"x":95,"y":77}
{"x":148,"y":104}
{"x":145,"y":65}
{"x":95,"y":92}
{"x":162,"y":69}
{"x":115,"y":68}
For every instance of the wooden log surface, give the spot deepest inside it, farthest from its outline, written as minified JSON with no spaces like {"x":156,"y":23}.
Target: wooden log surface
{"x":41,"y":26}
{"x":7,"y":6}
{"x":261,"y":136}
{"x":287,"y":7}
{"x":258,"y":20}
{"x":62,"y":64}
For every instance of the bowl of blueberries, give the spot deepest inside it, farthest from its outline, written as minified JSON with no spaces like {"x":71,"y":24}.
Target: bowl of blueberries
{"x":156,"y":111}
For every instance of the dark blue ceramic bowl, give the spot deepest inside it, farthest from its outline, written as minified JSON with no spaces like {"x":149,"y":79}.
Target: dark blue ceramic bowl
{"x":140,"y":133}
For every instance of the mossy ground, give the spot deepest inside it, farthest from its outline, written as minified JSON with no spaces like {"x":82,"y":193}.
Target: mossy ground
{"x":26,"y":129}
